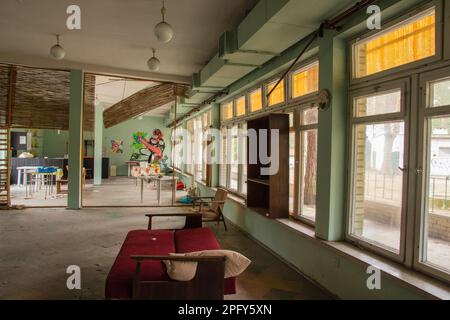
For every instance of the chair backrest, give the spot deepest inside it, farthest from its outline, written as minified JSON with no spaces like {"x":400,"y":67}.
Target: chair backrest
{"x":221,"y":195}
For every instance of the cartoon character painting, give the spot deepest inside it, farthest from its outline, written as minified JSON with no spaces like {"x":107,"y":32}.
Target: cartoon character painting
{"x":117,"y":146}
{"x":151,"y":149}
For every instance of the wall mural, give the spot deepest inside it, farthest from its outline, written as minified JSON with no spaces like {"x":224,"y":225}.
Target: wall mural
{"x":117,"y":146}
{"x":150,"y":150}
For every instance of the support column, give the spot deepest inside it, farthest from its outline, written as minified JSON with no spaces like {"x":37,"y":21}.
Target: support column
{"x":331,"y":179}
{"x":75,"y":138}
{"x":98,"y":146}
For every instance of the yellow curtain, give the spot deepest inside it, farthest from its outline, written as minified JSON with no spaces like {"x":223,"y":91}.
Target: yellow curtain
{"x":407,"y":43}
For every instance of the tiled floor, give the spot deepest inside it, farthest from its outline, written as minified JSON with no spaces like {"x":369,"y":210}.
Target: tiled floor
{"x":37,"y":245}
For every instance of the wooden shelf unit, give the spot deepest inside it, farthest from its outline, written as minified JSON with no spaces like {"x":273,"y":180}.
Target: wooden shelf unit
{"x":270,"y":194}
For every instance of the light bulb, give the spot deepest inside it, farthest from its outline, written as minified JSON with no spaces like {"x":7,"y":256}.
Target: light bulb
{"x":164,"y":32}
{"x":57,"y":51}
{"x":153,"y":63}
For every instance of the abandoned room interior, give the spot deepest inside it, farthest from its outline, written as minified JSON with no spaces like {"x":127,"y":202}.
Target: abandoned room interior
{"x":238,"y":150}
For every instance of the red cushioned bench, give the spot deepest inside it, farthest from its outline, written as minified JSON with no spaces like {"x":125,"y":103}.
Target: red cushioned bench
{"x":139,"y":273}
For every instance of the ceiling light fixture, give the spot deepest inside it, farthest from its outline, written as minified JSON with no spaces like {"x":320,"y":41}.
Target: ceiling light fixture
{"x":153,"y":63}
{"x":57,"y":51}
{"x":164,"y":31}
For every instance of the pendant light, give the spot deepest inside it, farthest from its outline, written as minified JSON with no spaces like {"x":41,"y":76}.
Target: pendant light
{"x":153,"y":63}
{"x":164,"y":31}
{"x":57,"y":51}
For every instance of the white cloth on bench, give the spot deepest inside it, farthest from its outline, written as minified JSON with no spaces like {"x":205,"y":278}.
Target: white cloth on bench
{"x":235,"y":264}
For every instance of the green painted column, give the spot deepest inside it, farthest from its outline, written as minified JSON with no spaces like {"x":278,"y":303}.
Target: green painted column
{"x":215,"y":117}
{"x":331,"y":179}
{"x":75,"y":138}
{"x":98,"y":147}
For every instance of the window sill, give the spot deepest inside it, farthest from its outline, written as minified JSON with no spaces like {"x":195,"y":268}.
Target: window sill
{"x":418,"y":281}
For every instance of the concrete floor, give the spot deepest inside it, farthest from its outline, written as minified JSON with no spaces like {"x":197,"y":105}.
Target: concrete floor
{"x":37,"y":245}
{"x":115,"y":191}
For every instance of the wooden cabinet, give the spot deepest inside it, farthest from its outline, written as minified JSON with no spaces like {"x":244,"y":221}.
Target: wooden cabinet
{"x":268,"y":194}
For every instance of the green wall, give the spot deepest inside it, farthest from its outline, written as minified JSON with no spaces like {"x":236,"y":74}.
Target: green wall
{"x":124,"y":131}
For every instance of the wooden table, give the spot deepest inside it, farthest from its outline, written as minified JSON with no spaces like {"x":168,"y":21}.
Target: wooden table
{"x":159,"y":180}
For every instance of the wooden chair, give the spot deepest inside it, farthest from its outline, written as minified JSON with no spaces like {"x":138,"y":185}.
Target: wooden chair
{"x":211,"y":208}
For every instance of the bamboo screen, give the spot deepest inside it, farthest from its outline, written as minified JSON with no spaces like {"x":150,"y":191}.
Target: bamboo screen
{"x":4,"y":79}
{"x":410,"y":41}
{"x":142,"y":102}
{"x":41,"y":98}
{"x":305,"y":81}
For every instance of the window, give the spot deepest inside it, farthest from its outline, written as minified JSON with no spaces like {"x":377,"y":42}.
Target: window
{"x":378,"y":177}
{"x":240,"y":107}
{"x":277,"y":95}
{"x":233,"y":168}
{"x":206,"y":123}
{"x":190,"y":149}
{"x":178,"y":147}
{"x":197,"y":147}
{"x":255,"y":99}
{"x":227,"y":111}
{"x":234,"y":163}
{"x":223,"y":168}
{"x":409,"y":41}
{"x":291,"y":163}
{"x":305,"y":80}
{"x":308,"y":161}
{"x":435,"y":215}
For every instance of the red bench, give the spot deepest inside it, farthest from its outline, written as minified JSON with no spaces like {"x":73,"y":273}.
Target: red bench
{"x":139,"y":273}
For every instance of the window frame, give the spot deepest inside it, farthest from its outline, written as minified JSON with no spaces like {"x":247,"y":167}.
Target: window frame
{"x":299,"y":145}
{"x":403,"y":115}
{"x":297,"y":69}
{"x":235,"y":102}
{"x":267,"y":83}
{"x":437,"y":4}
{"x":249,"y":93}
{"x":426,"y":113}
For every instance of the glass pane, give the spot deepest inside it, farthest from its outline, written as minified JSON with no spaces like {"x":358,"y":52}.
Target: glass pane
{"x":190,"y":148}
{"x":198,"y":149}
{"x":291,"y":171}
{"x":244,"y":158}
{"x":377,"y":104}
{"x":412,"y":40}
{"x":436,"y":244}
{"x":223,"y":159}
{"x":240,"y":107}
{"x":309,"y":174}
{"x":378,"y":183}
{"x":277,"y":95}
{"x":234,"y":167}
{"x":440,"y":93}
{"x":256,"y":100}
{"x":305,"y":81}
{"x":227,"y":111}
{"x":310,"y":116}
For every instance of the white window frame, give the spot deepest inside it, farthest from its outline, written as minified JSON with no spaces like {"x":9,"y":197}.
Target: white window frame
{"x":422,"y":168}
{"x":403,"y":115}
{"x":437,"y":4}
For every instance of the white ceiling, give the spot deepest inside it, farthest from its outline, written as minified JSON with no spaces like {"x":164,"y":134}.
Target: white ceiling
{"x":117,"y":35}
{"x":111,"y":90}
